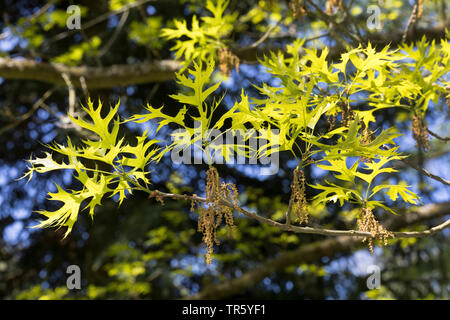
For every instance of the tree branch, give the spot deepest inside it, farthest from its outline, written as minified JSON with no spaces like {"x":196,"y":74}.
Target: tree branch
{"x":438,"y":136}
{"x":422,"y":170}
{"x":160,"y":70}
{"x":307,"y":230}
{"x":311,"y":253}
{"x":95,"y":77}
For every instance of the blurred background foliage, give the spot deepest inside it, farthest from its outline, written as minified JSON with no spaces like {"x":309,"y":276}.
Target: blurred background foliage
{"x":145,"y":250}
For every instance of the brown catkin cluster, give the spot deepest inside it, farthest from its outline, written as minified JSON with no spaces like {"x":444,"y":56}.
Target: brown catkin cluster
{"x":331,"y":4}
{"x":194,"y":203}
{"x":214,"y":212}
{"x":331,"y":120}
{"x":157,"y":196}
{"x":297,"y":8}
{"x":367,"y":223}
{"x":298,"y":198}
{"x":227,"y":61}
{"x":347,"y":113}
{"x":420,"y":132}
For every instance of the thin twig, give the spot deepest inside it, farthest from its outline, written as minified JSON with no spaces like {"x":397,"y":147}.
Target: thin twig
{"x":307,"y":230}
{"x":66,"y":124}
{"x":422,"y":170}
{"x":425,"y":233}
{"x":332,"y":22}
{"x":116,"y":33}
{"x":426,"y":172}
{"x":41,"y":11}
{"x":265,"y":35}
{"x":317,"y":37}
{"x":27,"y":115}
{"x":84,"y":87}
{"x":71,"y":93}
{"x":155,"y":89}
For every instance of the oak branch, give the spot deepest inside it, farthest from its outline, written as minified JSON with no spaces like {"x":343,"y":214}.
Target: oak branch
{"x":158,"y":70}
